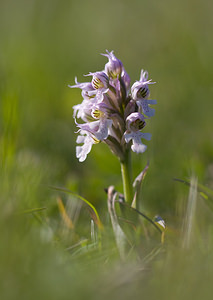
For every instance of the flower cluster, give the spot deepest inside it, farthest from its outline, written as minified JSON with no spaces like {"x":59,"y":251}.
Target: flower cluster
{"x":112,"y":111}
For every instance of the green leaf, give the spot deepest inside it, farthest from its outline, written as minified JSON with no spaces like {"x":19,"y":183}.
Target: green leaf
{"x":120,"y":237}
{"x":137,"y":185}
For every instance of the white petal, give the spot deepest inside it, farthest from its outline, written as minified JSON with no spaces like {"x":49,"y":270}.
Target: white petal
{"x":82,"y":151}
{"x":138,"y":146}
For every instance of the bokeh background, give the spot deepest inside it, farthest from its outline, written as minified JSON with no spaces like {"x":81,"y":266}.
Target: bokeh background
{"x":43,"y":46}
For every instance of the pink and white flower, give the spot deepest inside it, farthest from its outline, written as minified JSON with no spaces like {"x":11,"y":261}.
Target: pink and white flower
{"x":140,"y":93}
{"x":111,"y":111}
{"x":134,"y":123}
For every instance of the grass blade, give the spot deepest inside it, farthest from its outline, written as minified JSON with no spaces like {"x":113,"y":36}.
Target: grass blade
{"x":32,"y":210}
{"x":94,"y":214}
{"x":190,"y":214}
{"x":205,"y":192}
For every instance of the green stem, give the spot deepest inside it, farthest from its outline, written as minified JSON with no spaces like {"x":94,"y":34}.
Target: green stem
{"x":126,"y":172}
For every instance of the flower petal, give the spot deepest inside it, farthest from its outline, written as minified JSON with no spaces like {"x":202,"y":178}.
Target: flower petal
{"x":143,"y":104}
{"x":138,"y":146}
{"x":82,"y":151}
{"x":145,"y":135}
{"x":103,"y":130}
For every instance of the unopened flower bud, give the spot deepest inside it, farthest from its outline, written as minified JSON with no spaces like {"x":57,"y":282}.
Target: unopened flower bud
{"x":126,"y":79}
{"x":114,"y":67}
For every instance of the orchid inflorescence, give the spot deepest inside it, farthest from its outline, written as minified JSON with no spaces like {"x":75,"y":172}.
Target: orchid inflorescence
{"x":113,"y":112}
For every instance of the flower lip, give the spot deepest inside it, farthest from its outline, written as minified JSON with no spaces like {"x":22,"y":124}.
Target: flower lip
{"x":87,"y":140}
{"x":137,"y":145}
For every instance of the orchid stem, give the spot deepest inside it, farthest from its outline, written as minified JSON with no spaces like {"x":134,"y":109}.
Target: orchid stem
{"x":126,"y":172}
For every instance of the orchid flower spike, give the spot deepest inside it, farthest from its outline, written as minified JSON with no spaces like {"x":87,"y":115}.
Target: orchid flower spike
{"x":112,"y":111}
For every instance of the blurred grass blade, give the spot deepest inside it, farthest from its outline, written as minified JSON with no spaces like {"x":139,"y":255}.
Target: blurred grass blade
{"x":143,"y":215}
{"x":205,"y":192}
{"x":151,"y":255}
{"x":94,"y":213}
{"x":190,"y":214}
{"x":67,"y":221}
{"x":32,"y":210}
{"x":93,"y":235}
{"x":137,"y":185}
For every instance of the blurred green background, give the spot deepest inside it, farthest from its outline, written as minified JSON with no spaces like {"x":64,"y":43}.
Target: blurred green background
{"x":43,"y":46}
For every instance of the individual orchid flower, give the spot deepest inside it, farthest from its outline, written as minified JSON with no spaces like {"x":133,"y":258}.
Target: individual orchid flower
{"x":90,"y":98}
{"x":134,"y":123}
{"x":140,"y":93}
{"x":100,"y":84}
